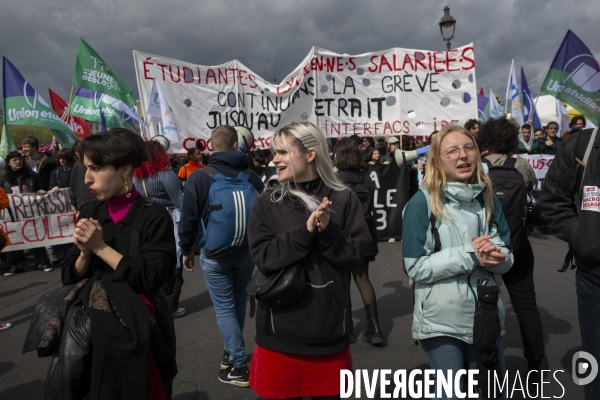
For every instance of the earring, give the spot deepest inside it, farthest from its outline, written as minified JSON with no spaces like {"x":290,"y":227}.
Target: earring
{"x":127,"y":193}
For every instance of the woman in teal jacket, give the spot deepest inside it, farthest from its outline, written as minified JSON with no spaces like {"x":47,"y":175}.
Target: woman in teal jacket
{"x":456,"y":191}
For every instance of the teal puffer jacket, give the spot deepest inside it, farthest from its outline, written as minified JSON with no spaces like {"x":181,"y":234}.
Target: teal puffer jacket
{"x":446,"y":281}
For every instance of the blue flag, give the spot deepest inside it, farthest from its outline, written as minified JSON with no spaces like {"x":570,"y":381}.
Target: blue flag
{"x":483,"y":108}
{"x":102,"y":122}
{"x":529,"y":111}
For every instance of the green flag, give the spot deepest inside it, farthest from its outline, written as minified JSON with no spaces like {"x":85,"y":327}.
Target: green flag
{"x":24,"y":106}
{"x":86,"y":104}
{"x":574,"y":77}
{"x":7,"y":143}
{"x":91,"y":72}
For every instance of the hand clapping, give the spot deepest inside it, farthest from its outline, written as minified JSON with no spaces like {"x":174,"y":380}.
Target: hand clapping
{"x":319,"y":219}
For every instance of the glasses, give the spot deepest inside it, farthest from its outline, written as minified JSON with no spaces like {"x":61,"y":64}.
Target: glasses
{"x":454,"y":154}
{"x":16,"y":159}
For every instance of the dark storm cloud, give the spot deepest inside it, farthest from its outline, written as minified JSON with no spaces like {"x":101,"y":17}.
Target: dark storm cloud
{"x":272,"y":37}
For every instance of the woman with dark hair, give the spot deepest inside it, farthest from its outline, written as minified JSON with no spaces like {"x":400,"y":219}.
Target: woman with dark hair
{"x":497,"y":139}
{"x":305,"y":216}
{"x":577,"y":124}
{"x":61,"y":177}
{"x":374,"y":157}
{"x":19,"y":178}
{"x":348,"y":161}
{"x":553,"y":142}
{"x":125,"y":252}
{"x":156,"y":179}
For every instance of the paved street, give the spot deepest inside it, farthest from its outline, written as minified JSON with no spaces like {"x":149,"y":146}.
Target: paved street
{"x":200,"y":347}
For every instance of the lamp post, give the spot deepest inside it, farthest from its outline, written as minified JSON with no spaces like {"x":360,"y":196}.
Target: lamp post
{"x":447,"y":25}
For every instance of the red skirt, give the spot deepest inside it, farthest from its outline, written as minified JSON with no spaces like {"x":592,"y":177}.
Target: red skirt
{"x":275,"y":375}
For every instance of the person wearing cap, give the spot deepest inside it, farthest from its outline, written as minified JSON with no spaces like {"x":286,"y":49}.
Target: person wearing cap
{"x":393,"y":145}
{"x":17,"y":177}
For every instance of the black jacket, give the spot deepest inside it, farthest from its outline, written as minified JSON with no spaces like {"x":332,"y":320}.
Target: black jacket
{"x":46,"y":167}
{"x":60,"y":177}
{"x":28,"y":178}
{"x":319,"y":322}
{"x":561,"y":207}
{"x":116,"y":369}
{"x":195,"y":194}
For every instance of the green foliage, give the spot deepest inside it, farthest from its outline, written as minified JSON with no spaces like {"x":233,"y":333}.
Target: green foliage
{"x":44,"y":135}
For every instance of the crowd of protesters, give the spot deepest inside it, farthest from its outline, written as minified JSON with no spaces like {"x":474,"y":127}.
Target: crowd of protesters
{"x":142,"y":212}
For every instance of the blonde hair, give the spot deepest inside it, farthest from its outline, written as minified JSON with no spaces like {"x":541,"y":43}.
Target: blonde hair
{"x":304,"y":136}
{"x":435,"y":178}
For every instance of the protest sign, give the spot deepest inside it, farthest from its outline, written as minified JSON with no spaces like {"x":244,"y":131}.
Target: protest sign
{"x":40,"y":220}
{"x":391,"y":195}
{"x":391,"y":92}
{"x":540,"y":163}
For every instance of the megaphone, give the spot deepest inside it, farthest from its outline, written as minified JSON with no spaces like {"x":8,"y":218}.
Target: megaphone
{"x":2,"y":163}
{"x":245,"y":138}
{"x":404,"y":157}
{"x":162,"y":140}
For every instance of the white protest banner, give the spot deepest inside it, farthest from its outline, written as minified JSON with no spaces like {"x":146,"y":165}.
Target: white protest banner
{"x":540,"y":164}
{"x":391,"y":92}
{"x":40,"y":220}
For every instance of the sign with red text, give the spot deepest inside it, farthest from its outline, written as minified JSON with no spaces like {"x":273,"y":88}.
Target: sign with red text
{"x":390,"y":92}
{"x":40,"y":220}
{"x":540,"y":163}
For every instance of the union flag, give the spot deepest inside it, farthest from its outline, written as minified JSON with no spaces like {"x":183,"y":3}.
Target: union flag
{"x":78,"y":125}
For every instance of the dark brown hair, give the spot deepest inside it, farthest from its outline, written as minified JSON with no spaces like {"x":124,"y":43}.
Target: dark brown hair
{"x":346,"y":155}
{"x":117,"y":147}
{"x":66,"y":154}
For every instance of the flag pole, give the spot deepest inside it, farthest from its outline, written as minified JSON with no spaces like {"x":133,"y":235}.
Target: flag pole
{"x":68,"y":114}
{"x":507,"y":89}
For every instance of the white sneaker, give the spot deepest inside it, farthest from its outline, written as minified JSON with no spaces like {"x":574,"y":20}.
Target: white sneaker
{"x":179,"y":313}
{"x":5,"y":326}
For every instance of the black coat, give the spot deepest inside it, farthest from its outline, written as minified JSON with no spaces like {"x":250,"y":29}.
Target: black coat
{"x":24,"y":178}
{"x":116,"y":369}
{"x":319,"y":322}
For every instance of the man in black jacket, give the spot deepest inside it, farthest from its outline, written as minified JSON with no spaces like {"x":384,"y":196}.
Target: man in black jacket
{"x":19,"y":176}
{"x":570,"y":204}
{"x":226,"y":275}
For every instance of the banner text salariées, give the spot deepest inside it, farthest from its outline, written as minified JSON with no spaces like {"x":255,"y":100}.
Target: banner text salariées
{"x":390,"y":92}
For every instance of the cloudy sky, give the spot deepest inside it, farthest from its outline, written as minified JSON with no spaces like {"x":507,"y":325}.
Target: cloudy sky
{"x":271,"y":37}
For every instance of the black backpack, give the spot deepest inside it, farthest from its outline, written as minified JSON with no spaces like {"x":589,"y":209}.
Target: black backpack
{"x":510,"y":188}
{"x":363,"y":193}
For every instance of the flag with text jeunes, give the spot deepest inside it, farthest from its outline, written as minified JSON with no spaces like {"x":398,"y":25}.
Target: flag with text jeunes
{"x":91,"y":72}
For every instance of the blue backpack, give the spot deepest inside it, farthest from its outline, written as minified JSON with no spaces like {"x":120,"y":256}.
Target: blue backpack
{"x":229,"y":203}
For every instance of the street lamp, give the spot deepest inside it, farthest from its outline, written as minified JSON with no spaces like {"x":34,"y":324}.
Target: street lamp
{"x":447,"y":25}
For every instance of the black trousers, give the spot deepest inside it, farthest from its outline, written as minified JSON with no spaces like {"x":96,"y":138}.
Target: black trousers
{"x":519,"y":282}
{"x":17,"y":257}
{"x":172,"y":290}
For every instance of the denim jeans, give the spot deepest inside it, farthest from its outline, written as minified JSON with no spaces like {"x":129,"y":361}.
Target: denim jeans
{"x":226,"y":279}
{"x":588,"y":305}
{"x":448,"y":353}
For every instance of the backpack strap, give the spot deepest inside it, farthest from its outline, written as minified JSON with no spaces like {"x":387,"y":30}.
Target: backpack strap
{"x":510,"y":162}
{"x":134,"y":245}
{"x":437,"y":245}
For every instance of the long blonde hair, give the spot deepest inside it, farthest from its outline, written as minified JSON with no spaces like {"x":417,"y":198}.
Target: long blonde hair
{"x":435,"y":178}
{"x":304,"y":136}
